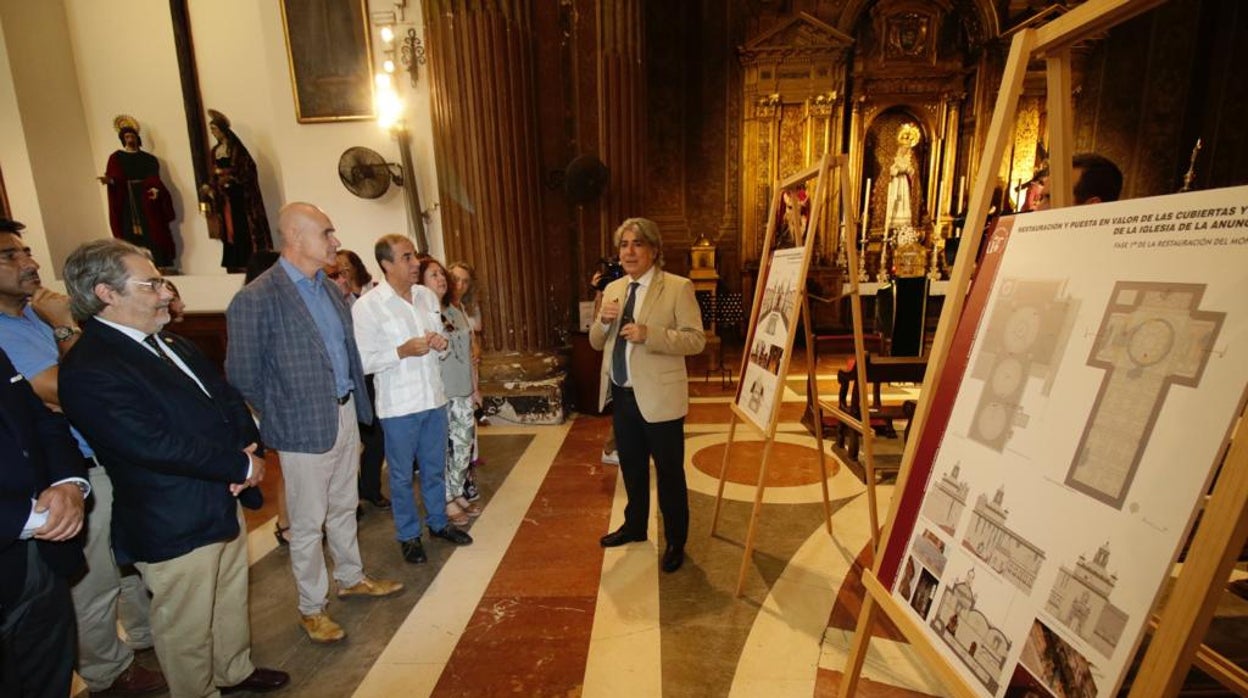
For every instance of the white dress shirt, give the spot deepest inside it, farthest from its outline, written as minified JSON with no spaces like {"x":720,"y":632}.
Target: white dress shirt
{"x":383,"y":321}
{"x":643,"y":284}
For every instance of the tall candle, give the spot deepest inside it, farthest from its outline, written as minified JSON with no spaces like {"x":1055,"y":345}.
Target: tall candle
{"x":866,"y":211}
{"x":962,"y":194}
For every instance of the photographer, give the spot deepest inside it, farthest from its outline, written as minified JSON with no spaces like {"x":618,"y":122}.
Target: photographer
{"x":611,"y":270}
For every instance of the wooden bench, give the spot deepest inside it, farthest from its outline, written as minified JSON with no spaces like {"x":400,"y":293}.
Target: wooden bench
{"x":880,"y":370}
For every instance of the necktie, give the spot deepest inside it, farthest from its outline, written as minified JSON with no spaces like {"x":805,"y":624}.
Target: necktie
{"x":151,"y":341}
{"x":619,"y":367}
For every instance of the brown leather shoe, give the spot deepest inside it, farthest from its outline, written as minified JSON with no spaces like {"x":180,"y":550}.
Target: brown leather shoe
{"x":321,"y":628}
{"x":134,"y":681}
{"x":368,"y":586}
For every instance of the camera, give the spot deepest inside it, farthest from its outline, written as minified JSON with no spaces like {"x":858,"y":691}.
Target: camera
{"x":611,"y":270}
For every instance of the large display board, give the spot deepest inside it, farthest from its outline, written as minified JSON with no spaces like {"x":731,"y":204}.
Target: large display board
{"x":1092,"y":384}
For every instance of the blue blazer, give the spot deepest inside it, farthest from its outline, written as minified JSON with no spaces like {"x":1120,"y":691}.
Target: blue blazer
{"x":170,"y":450}
{"x":278,"y":360}
{"x":36,"y":450}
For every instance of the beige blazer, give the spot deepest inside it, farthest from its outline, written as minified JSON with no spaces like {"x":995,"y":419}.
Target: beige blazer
{"x":673,"y":323}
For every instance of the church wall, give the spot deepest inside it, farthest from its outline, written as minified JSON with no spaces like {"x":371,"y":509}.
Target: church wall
{"x":53,"y":152}
{"x":124,"y":56}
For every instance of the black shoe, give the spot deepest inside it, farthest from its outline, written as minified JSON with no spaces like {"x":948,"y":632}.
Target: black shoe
{"x":379,"y":501}
{"x":413,"y":551}
{"x":673,"y":558}
{"x":260,"y":681}
{"x":619,"y":537}
{"x":452,"y":534}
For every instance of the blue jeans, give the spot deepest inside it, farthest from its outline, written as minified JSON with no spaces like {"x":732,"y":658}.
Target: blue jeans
{"x":421,"y":436}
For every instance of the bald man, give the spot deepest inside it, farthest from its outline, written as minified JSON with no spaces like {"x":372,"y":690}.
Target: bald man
{"x":292,"y":354}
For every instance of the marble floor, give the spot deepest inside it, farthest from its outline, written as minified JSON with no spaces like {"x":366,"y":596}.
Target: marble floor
{"x":536,"y":608}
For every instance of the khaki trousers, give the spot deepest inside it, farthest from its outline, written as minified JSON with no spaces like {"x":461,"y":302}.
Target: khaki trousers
{"x":104,"y":596}
{"x":321,"y":493}
{"x":199,"y":617}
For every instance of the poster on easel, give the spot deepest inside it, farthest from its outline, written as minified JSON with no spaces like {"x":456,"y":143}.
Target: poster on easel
{"x":1093,"y":382}
{"x":778,"y":302}
{"x":777,"y":316}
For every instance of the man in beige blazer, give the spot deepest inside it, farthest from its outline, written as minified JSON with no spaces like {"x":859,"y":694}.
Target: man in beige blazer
{"x":648,"y":323}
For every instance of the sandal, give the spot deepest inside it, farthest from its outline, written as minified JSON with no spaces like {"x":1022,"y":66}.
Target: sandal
{"x":472,"y":509}
{"x":455,"y":514}
{"x":279,"y":533}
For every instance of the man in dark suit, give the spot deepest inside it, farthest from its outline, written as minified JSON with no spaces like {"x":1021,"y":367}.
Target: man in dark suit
{"x":36,"y":330}
{"x":42,"y":488}
{"x":180,"y":446}
{"x":293,"y":355}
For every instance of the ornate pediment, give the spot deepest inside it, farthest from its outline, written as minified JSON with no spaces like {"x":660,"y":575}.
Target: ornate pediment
{"x":799,"y":35}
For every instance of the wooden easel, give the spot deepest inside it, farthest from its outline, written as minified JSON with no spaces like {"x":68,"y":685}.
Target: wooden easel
{"x":818,"y":172}
{"x":1218,"y":539}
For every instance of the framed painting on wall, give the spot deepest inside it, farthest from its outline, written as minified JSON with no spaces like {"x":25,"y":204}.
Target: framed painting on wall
{"x":331,"y":63}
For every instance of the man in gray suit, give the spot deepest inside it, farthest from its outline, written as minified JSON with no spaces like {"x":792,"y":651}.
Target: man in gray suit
{"x":292,"y":354}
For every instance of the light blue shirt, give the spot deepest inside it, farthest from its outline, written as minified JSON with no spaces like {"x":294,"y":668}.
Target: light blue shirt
{"x":315,"y":296}
{"x":31,"y":347}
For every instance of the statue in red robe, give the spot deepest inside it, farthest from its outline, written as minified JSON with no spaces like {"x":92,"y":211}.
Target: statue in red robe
{"x":140,"y":208}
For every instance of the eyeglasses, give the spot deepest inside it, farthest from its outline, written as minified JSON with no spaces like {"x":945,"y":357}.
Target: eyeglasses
{"x":153,"y":285}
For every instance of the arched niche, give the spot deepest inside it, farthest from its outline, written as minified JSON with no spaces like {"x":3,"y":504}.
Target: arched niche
{"x":897,"y":149}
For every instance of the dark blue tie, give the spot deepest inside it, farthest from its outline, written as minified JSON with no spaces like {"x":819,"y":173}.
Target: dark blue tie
{"x":619,"y":367}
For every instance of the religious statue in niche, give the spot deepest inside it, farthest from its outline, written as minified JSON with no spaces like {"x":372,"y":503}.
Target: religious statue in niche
{"x":140,"y":208}
{"x":902,"y":179}
{"x":231,"y":199}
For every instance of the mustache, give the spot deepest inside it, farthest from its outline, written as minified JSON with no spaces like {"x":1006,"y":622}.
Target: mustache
{"x":30,"y":276}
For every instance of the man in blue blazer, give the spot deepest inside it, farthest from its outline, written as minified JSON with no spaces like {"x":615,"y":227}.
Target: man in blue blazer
{"x":182,"y":451}
{"x":293,"y":355}
{"x":42,"y":487}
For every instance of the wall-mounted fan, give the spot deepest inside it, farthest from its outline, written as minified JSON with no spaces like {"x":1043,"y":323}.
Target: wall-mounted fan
{"x":584,"y":179}
{"x":365,"y":173}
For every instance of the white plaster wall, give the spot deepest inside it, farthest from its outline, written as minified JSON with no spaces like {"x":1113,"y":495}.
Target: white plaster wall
{"x":124,"y":54}
{"x":19,"y":181}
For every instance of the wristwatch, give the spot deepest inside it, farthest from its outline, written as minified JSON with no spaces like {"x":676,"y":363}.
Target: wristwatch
{"x":64,"y":333}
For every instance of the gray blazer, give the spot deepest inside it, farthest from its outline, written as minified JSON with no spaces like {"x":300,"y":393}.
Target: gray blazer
{"x":277,"y":360}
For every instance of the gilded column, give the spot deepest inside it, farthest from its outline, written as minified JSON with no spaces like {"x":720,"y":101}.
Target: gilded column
{"x":481,"y":59}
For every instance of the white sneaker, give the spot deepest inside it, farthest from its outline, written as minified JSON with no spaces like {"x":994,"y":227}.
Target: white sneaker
{"x":611,"y":457}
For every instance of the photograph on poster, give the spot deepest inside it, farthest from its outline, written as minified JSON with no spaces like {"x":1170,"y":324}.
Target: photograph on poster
{"x":1025,"y":337}
{"x":924,"y":593}
{"x":759,"y":393}
{"x":930,"y":550}
{"x":1024,"y":685}
{"x":777,"y":310}
{"x":946,"y":500}
{"x":975,"y":637}
{"x":906,"y":587}
{"x":1152,"y":336}
{"x":1062,"y":669}
{"x":1006,"y":552}
{"x":767,"y":356}
{"x":1080,"y":601}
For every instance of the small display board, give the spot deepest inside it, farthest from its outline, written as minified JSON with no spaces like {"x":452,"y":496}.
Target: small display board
{"x":1093,"y":382}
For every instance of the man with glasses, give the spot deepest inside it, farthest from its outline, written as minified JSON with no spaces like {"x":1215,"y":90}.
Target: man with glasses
{"x":182,"y":450}
{"x":36,"y":330}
